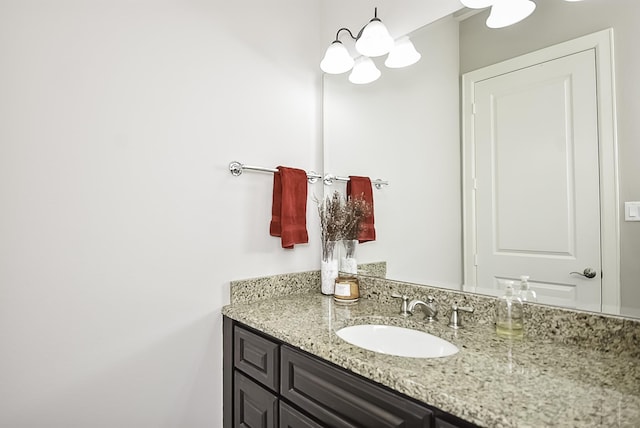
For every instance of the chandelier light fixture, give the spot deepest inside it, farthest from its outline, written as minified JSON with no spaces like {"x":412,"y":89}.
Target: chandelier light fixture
{"x":504,"y":12}
{"x":373,"y":40}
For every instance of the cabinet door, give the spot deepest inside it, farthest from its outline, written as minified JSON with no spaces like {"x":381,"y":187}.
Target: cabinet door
{"x":291,"y":418}
{"x":257,"y":357}
{"x":341,"y":399}
{"x":254,"y":406}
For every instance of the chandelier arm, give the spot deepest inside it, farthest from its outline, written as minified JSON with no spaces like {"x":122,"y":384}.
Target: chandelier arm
{"x":375,"y":18}
{"x":344,"y":29}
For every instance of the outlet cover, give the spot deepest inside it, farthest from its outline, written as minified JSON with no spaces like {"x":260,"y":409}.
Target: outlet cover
{"x":632,"y":211}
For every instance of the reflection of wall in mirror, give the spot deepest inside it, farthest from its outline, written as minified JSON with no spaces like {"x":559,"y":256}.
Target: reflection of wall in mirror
{"x":555,"y":22}
{"x":404,"y":128}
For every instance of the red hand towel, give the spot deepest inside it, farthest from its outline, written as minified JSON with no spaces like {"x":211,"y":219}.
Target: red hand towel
{"x":360,"y":188}
{"x":289,"y":209}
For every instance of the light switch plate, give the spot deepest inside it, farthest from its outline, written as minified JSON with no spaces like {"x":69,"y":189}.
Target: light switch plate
{"x":632,"y":211}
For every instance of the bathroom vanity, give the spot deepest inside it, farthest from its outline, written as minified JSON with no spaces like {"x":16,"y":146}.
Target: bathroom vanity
{"x":284,"y":366}
{"x":272,"y":384}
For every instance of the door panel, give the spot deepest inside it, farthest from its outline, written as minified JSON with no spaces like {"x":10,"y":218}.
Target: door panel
{"x":537,"y":180}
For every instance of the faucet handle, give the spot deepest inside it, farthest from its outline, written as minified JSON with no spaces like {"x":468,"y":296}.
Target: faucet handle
{"x":454,"y":322}
{"x":405,"y":303}
{"x":462,"y":308}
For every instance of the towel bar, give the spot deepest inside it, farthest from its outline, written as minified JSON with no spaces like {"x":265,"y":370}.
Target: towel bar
{"x":236,"y":168}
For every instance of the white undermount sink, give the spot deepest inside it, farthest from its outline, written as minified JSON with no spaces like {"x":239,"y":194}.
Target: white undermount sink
{"x":399,"y":341}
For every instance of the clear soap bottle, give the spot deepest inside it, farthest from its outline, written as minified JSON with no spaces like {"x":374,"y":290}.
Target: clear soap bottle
{"x":526,"y":293}
{"x":509,"y":314}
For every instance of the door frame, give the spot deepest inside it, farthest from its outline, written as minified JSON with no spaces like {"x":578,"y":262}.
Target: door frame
{"x":602,"y":43}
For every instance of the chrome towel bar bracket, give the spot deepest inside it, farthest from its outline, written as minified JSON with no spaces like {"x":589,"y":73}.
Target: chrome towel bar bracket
{"x":329,"y":179}
{"x":236,"y":168}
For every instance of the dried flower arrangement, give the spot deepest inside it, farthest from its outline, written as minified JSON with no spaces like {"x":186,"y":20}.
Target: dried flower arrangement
{"x":354,"y":213}
{"x":330,"y":222}
{"x":340,"y":219}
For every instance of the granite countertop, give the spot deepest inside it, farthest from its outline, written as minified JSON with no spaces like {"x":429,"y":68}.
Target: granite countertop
{"x":491,"y":381}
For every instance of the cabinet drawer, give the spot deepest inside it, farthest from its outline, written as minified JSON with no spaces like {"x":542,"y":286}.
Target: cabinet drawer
{"x":453,"y":422}
{"x":257,"y":357}
{"x":254,"y":407}
{"x":341,"y":399}
{"x":444,"y":424}
{"x":291,"y":418}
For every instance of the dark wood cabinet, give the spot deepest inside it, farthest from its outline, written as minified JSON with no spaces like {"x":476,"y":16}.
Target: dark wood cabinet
{"x":450,"y":421}
{"x":444,"y":424}
{"x":291,"y":418}
{"x":254,"y":406}
{"x":270,"y":384}
{"x":257,"y":357}
{"x":341,"y":399}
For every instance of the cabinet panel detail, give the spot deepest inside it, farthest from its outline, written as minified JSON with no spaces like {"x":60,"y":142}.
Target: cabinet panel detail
{"x":453,"y":422}
{"x":341,"y":399}
{"x":227,"y":375}
{"x":254,"y":407}
{"x":444,"y":424}
{"x":257,"y":357}
{"x":291,"y":418}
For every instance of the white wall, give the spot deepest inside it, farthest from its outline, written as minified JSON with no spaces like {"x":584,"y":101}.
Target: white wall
{"x":120,"y":225}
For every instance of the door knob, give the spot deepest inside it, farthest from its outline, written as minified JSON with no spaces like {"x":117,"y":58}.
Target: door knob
{"x":587,"y":273}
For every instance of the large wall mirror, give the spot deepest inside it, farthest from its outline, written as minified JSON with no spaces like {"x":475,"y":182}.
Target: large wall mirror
{"x":406,"y":128}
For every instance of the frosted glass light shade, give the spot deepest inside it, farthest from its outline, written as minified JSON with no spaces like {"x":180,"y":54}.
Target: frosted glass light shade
{"x":508,"y":12}
{"x":375,"y":39}
{"x":336,"y":59}
{"x":477,"y":4}
{"x":403,"y":54}
{"x":364,"y":71}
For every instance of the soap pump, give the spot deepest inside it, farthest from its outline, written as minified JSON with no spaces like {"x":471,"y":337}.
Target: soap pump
{"x":526,"y":293}
{"x":509,"y":314}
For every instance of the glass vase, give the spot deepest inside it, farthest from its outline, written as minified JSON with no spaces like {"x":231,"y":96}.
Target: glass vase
{"x":348,"y":263}
{"x":329,"y":267}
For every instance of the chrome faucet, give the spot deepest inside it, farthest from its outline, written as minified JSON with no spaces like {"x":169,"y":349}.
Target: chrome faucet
{"x":430,"y":308}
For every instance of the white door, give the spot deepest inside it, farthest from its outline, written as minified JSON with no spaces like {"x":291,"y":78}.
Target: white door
{"x":537,"y":181}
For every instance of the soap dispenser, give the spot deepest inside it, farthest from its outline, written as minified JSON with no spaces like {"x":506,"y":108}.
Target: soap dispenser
{"x":509,"y":314}
{"x":526,"y":293}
